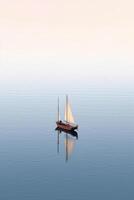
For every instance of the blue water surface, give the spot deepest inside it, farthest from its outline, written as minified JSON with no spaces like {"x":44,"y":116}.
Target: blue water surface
{"x":100,"y":163}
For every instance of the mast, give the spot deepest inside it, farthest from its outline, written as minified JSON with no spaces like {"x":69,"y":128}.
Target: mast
{"x":58,"y":110}
{"x":67,"y":108}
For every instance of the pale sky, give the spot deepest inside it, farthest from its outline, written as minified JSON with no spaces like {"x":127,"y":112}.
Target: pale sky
{"x":43,"y":40}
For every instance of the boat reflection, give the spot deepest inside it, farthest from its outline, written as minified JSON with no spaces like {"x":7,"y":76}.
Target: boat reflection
{"x":70,"y":139}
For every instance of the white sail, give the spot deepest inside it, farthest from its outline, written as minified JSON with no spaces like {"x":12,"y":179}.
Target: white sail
{"x":68,"y":114}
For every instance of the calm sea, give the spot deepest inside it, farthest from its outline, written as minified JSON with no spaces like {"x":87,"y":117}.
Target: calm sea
{"x":37,"y":162}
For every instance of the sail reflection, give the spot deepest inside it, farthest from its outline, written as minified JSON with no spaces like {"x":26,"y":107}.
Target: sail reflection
{"x":69,"y":142}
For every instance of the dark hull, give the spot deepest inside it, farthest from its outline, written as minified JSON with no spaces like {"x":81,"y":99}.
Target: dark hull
{"x":72,"y":133}
{"x":67,"y":127}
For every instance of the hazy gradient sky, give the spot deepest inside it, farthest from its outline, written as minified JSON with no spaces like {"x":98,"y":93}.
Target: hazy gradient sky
{"x":44,"y":41}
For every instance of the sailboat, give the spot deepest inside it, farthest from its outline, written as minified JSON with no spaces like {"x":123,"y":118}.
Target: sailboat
{"x":68,"y":124}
